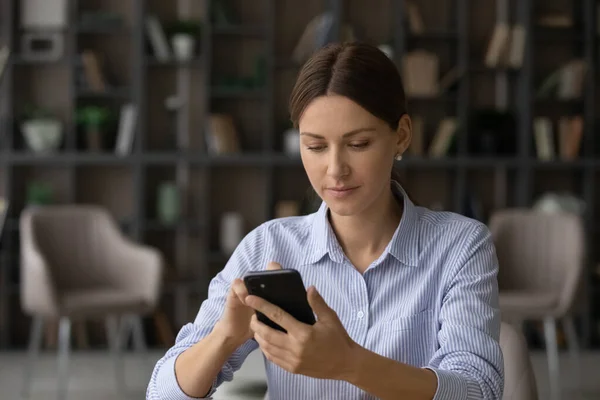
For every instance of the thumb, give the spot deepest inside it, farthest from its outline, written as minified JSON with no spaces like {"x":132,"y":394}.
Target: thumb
{"x":318,"y":304}
{"x":273,"y":266}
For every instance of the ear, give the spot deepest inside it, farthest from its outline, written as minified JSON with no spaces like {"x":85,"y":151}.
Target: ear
{"x":403,"y":133}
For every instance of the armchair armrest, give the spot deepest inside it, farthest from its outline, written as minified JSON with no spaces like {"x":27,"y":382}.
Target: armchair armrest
{"x":38,"y":291}
{"x":137,"y":269}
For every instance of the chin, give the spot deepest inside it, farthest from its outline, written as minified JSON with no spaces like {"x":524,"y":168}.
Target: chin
{"x":345,"y":208}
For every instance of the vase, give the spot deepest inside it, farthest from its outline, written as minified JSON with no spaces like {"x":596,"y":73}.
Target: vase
{"x":42,"y":135}
{"x":183,"y":46}
{"x":168,"y":206}
{"x":231,"y":232}
{"x":291,"y":142}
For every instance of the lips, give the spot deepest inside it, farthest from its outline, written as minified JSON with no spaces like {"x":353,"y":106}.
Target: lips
{"x":341,"y":192}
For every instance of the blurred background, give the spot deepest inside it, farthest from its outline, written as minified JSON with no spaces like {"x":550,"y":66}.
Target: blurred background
{"x":140,"y":140}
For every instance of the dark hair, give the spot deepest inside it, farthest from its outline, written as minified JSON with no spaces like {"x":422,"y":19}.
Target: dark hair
{"x":358,"y":71}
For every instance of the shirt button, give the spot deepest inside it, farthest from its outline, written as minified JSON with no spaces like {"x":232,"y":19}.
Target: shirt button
{"x":360,"y":314}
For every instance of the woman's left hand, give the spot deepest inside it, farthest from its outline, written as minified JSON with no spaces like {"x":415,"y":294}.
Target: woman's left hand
{"x":323,"y":350}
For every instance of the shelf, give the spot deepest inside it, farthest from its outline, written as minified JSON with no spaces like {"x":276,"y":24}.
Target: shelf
{"x":106,"y":29}
{"x":67,"y":158}
{"x":12,"y":224}
{"x":193,"y":63}
{"x":239,"y":30}
{"x":158,"y":226}
{"x":434,"y":35}
{"x":109,"y":93}
{"x":268,"y":159}
{"x":476,"y":67}
{"x":238,"y":93}
{"x":18,"y":60}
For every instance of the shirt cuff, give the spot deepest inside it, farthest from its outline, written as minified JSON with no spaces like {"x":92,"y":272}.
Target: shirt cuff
{"x":452,"y":385}
{"x":169,"y":388}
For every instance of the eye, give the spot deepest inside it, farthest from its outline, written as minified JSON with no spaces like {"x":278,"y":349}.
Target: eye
{"x":360,"y":145}
{"x":316,"y":148}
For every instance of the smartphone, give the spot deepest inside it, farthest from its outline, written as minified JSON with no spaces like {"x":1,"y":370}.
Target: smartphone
{"x":283,"y":288}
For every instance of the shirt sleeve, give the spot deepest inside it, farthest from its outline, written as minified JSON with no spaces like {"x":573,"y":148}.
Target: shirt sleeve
{"x":163,"y":383}
{"x":469,"y":363}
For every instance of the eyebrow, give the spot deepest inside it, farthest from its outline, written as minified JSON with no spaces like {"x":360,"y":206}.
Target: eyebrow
{"x":345,"y":135}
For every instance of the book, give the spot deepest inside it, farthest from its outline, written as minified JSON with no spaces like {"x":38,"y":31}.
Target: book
{"x":3,"y":214}
{"x":420,"y":71}
{"x":126,"y":130}
{"x":544,"y":138}
{"x":4,"y":54}
{"x":443,"y":138}
{"x":498,"y":45}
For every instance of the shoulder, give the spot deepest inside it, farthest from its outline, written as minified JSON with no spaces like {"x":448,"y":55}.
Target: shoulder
{"x":280,"y":238}
{"x":450,"y":225}
{"x":453,"y":237}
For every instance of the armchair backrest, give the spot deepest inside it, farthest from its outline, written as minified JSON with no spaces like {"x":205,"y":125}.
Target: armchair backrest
{"x":539,"y":250}
{"x":74,"y":240}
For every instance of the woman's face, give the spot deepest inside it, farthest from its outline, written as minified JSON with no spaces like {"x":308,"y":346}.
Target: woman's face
{"x":348,"y":153}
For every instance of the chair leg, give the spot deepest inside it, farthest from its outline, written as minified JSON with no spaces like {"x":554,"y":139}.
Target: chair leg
{"x":573,"y":344}
{"x":139,"y":339}
{"x":116,"y":349}
{"x":552,"y":354}
{"x":35,"y":344}
{"x":64,"y":347}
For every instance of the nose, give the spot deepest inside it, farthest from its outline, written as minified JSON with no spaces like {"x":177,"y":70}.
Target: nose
{"x":337,"y":165}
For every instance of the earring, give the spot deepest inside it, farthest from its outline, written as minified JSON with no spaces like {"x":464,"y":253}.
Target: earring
{"x":398,"y":157}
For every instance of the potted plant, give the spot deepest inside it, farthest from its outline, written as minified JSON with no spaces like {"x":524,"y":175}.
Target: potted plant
{"x":184,"y":34}
{"x":94,"y":120}
{"x":41,"y":129}
{"x":39,"y":194}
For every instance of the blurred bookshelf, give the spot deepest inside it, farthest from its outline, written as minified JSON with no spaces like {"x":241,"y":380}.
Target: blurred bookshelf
{"x":244,"y":64}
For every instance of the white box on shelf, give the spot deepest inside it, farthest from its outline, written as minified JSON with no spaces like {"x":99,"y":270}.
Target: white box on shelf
{"x":43,"y":14}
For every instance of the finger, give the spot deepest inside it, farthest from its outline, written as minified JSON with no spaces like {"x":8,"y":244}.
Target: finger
{"x":273,"y":266}
{"x":274,"y":313}
{"x":272,"y":349}
{"x":272,"y":336}
{"x":275,"y":359}
{"x":318,"y":304}
{"x":240,"y":290}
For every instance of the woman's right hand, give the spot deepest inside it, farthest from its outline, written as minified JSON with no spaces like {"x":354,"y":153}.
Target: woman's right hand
{"x":235,"y":322}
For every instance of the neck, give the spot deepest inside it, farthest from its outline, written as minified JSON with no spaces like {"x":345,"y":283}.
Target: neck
{"x":372,"y":230}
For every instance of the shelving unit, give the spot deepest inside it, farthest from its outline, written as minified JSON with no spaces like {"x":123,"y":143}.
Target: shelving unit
{"x":255,"y":180}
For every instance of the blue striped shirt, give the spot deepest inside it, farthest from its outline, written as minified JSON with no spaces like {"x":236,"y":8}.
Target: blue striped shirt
{"x":430,"y":300}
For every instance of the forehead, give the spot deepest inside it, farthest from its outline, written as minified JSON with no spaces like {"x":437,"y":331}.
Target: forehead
{"x":335,"y":114}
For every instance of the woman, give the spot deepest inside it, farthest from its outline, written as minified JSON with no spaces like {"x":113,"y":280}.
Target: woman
{"x":406,"y":298}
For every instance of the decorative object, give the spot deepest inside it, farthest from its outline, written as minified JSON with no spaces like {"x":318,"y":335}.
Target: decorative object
{"x":174,"y":104}
{"x":560,"y":202}
{"x":42,"y":46}
{"x":231,"y":232}
{"x":387,"y":50}
{"x":43,"y":14}
{"x":222,"y":136}
{"x":184,"y":35}
{"x":291,"y":142}
{"x":420,"y":69}
{"x":42,"y":131}
{"x":94,"y":120}
{"x":168,"y":204}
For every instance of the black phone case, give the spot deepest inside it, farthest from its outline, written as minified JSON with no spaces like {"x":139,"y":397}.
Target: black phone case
{"x":283,"y":288}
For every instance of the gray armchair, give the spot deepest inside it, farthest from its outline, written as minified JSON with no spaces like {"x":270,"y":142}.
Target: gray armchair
{"x":541,"y":258}
{"x":75,"y":265}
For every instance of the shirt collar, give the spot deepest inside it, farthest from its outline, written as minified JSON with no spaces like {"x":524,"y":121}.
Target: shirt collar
{"x":404,"y":245}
